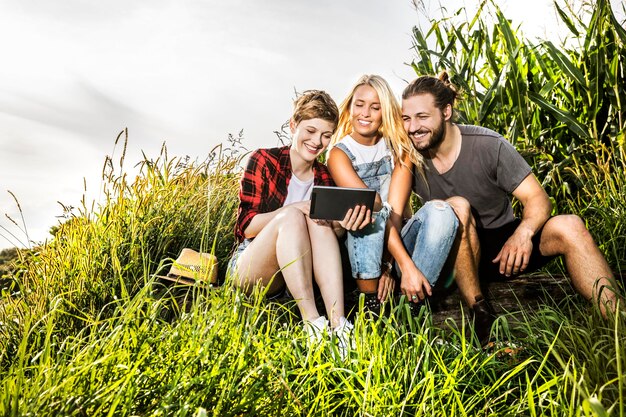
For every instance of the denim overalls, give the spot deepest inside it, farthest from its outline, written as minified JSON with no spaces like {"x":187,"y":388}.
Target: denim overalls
{"x":365,"y":246}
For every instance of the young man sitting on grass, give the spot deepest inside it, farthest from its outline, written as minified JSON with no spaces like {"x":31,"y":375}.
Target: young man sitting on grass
{"x":476,"y":170}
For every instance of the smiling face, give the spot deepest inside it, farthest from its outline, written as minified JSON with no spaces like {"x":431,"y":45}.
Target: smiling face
{"x":366,"y":115}
{"x":424,"y":122}
{"x":311,"y":137}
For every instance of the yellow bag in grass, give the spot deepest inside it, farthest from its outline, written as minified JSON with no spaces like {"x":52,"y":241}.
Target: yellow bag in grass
{"x":193,"y":267}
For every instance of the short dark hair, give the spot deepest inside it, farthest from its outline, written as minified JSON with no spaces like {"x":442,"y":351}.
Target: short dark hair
{"x":440,"y":87}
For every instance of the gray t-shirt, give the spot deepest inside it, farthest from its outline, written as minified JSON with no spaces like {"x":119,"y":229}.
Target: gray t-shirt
{"x":487,"y":170}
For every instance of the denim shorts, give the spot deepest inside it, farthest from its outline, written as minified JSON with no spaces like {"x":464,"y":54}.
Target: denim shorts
{"x":232,"y":264}
{"x":428,"y":237}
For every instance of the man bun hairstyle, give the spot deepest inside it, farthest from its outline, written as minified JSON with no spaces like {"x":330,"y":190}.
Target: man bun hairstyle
{"x":315,"y":104}
{"x":440,"y":87}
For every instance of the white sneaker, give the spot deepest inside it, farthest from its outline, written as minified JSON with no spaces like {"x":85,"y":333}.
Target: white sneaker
{"x":343,"y":335}
{"x":316,"y":329}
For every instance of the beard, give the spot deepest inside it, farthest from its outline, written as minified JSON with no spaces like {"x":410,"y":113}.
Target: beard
{"x":436,"y":137}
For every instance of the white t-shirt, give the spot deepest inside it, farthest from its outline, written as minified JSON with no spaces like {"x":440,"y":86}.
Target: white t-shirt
{"x":298,"y":190}
{"x":364,"y":153}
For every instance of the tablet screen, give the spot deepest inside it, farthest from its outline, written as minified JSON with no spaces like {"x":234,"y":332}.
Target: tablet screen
{"x":332,"y":203}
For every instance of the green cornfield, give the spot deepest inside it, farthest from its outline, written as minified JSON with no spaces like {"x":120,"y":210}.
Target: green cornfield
{"x":86,"y":329}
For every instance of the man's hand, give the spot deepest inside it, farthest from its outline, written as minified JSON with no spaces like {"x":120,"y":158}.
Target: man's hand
{"x":414,"y":284}
{"x":515,"y":254}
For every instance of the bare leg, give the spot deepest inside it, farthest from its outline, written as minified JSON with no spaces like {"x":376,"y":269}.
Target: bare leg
{"x":281,"y":251}
{"x":567,"y":235}
{"x":367,"y":286}
{"x":466,"y":265}
{"x":468,"y":253}
{"x":327,"y":269}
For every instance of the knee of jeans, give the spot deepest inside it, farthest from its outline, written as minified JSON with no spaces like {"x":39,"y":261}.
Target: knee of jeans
{"x":440,"y":213}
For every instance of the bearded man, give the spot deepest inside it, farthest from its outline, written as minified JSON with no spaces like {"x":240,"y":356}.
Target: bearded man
{"x":476,"y":171}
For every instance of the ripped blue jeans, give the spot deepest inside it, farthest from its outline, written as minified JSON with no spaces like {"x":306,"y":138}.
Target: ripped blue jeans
{"x":428,"y":237}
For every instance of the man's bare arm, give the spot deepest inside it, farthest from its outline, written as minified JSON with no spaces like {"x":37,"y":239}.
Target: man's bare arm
{"x":515,"y":254}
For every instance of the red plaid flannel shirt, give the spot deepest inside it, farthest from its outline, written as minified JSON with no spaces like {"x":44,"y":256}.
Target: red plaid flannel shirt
{"x":264,"y":184}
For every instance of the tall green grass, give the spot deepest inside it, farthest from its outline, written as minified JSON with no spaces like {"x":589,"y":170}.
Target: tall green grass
{"x":229,"y":355}
{"x":108,"y":252}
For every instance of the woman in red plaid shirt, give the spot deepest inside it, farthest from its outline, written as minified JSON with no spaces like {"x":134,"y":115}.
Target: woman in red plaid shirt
{"x":279,"y":244}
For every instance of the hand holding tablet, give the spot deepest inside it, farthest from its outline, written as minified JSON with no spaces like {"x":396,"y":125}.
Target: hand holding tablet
{"x":333,"y":203}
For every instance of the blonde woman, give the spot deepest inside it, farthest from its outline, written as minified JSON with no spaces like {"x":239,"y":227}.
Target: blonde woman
{"x":369,"y":147}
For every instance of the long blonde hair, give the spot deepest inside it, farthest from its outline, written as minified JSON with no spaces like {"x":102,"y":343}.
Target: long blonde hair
{"x":391,"y":128}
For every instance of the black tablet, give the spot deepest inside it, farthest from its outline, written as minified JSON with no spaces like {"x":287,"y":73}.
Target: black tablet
{"x":332,"y":203}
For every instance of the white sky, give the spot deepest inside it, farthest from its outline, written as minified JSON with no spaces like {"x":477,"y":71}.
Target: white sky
{"x":74,"y":73}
